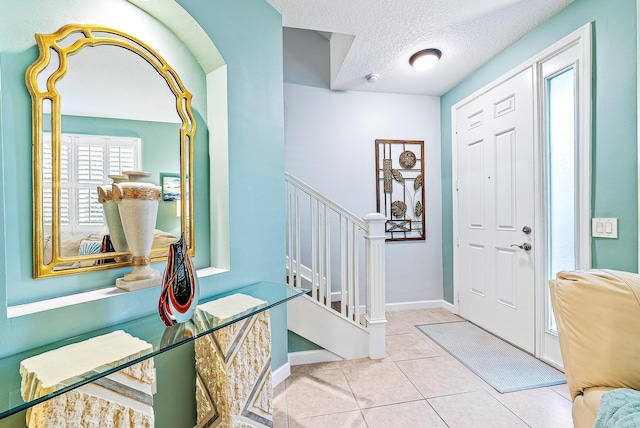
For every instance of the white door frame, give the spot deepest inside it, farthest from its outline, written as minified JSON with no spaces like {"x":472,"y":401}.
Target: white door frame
{"x":581,"y":38}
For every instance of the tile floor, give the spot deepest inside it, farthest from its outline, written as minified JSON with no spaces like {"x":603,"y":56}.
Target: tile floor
{"x":417,"y":385}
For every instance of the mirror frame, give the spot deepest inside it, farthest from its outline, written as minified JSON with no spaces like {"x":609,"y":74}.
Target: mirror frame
{"x":105,"y":36}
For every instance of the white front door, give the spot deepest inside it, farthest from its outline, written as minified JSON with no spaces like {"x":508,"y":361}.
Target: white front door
{"x":496,"y":210}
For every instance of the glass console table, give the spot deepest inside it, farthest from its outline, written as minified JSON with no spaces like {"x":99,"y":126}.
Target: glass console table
{"x":150,"y":329}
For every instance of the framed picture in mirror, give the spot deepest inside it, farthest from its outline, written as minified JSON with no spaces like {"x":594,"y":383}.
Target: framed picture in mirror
{"x":170,"y":183}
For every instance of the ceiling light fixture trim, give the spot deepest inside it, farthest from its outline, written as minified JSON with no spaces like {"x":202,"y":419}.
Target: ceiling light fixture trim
{"x":425,"y":59}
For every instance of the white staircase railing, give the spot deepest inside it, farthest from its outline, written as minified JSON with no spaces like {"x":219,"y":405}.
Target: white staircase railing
{"x":325,"y":254}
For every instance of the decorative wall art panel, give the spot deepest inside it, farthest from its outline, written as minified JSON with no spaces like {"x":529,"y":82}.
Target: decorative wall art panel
{"x":399,"y":188}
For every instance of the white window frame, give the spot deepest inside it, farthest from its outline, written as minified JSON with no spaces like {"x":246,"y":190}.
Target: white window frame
{"x":572,"y":51}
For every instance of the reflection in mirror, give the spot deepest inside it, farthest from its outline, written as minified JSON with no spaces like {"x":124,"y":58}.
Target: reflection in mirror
{"x":104,"y":103}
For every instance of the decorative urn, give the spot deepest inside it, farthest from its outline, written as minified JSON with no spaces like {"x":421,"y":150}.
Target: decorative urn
{"x":138,"y":206}
{"x":112,"y":213}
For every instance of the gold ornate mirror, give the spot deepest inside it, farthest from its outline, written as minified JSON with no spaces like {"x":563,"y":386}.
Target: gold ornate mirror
{"x":72,"y":156}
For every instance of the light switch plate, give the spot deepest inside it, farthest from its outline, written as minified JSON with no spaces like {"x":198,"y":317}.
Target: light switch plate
{"x":604,"y":227}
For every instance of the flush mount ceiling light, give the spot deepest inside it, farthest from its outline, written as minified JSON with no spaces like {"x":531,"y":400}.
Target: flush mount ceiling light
{"x":425,"y":59}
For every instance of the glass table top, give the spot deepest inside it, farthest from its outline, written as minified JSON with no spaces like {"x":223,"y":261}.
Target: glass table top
{"x":150,"y":329}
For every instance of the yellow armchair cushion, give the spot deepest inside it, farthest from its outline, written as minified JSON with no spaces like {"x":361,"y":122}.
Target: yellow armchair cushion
{"x":598,"y":317}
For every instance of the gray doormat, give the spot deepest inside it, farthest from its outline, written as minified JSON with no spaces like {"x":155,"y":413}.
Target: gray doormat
{"x":501,"y":365}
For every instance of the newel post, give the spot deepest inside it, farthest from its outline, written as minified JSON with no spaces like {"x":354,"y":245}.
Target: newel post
{"x":375,"y":267}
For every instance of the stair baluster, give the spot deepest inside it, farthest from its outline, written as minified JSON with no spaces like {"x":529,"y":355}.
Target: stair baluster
{"x":311,"y":259}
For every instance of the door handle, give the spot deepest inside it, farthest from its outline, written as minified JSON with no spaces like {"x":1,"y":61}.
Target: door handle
{"x":526,"y":246}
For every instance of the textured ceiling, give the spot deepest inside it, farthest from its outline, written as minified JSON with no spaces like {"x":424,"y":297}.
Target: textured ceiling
{"x":379,"y":36}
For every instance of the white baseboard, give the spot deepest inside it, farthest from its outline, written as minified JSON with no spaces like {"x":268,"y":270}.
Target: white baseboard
{"x":419,"y":304}
{"x":310,"y":357}
{"x":449,"y":306}
{"x":552,"y":363}
{"x":280,"y":374}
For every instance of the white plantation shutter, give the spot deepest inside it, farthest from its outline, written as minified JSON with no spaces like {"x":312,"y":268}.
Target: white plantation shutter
{"x":89,"y":174}
{"x":89,"y":210}
{"x":65,"y":207}
{"x":47,"y":208}
{"x":47,"y":159}
{"x":47,"y":177}
{"x":90,"y":161}
{"x":122,"y":157}
{"x":85,"y":163}
{"x":66,"y":142}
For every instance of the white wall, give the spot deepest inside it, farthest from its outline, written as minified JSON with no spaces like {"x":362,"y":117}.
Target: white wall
{"x":330,"y":144}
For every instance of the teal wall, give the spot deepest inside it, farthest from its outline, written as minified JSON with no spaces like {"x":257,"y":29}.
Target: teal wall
{"x":299,"y":344}
{"x":614,"y":133}
{"x":249,"y":36}
{"x":18,"y":24}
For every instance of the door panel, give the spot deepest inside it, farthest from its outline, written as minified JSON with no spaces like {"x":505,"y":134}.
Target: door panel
{"x":476,"y":188}
{"x":505,"y":180}
{"x":506,"y":264}
{"x":495,"y":201}
{"x":476,"y":269}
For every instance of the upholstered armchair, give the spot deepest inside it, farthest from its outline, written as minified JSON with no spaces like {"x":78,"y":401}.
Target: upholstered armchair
{"x":598,"y":318}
